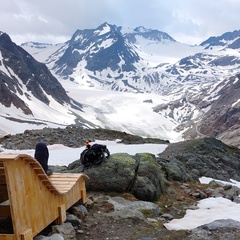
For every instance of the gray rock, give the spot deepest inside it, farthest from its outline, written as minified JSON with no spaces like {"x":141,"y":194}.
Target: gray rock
{"x":209,"y":157}
{"x":66,"y":230}
{"x":140,"y":174}
{"x":150,"y":181}
{"x":167,"y":216}
{"x":114,"y":174}
{"x":120,"y":203}
{"x":220,"y":224}
{"x":236,"y":199}
{"x":55,"y":236}
{"x":80,"y":210}
{"x":74,"y":220}
{"x":124,"y":208}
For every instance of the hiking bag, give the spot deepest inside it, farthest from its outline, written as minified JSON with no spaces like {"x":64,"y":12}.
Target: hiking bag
{"x":94,"y":155}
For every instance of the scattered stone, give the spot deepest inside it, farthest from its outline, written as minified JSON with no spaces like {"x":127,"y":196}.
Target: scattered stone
{"x":66,"y":230}
{"x":74,"y":220}
{"x":54,"y":236}
{"x":167,"y":216}
{"x":80,"y":211}
{"x":222,"y":223}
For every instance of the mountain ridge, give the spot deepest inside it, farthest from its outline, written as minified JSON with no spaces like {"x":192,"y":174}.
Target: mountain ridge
{"x":140,"y":61}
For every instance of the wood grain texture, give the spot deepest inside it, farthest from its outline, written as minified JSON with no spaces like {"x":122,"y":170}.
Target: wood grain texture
{"x":35,"y":199}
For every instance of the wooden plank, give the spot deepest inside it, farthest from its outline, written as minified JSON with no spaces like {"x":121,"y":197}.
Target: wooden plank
{"x":57,"y":185}
{"x":54,"y":191}
{"x":2,"y":178}
{"x":33,"y":163}
{"x":3,"y":188}
{"x":43,"y":176}
{"x":5,"y":211}
{"x":63,"y":181}
{"x":37,"y":170}
{"x":7,"y":237}
{"x":3,"y":181}
{"x":64,"y":177}
{"x":69,"y":175}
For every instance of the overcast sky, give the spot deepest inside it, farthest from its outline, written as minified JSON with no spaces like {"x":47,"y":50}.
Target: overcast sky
{"x":54,"y":21}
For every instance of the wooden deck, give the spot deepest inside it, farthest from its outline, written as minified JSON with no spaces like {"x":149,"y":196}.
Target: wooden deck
{"x":32,"y":199}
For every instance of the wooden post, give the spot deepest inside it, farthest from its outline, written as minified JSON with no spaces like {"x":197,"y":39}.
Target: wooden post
{"x":62,"y":215}
{"x":27,"y":235}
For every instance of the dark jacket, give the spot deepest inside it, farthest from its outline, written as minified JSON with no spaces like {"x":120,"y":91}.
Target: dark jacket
{"x":42,"y":155}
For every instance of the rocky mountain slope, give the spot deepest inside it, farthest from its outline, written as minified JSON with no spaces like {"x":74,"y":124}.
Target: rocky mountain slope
{"x":222,"y":119}
{"x":22,"y":76}
{"x":30,"y":94}
{"x":196,"y":80}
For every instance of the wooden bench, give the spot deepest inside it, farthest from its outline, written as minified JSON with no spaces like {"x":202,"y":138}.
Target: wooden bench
{"x":33,"y":200}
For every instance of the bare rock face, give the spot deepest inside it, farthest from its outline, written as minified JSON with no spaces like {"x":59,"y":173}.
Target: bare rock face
{"x":25,"y":76}
{"x":222,"y":120}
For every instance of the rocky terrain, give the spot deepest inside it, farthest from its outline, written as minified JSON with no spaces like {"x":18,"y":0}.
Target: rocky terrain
{"x":119,"y":213}
{"x":71,"y":136}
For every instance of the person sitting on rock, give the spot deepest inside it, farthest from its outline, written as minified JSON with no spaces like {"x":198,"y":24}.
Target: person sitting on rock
{"x":41,"y":155}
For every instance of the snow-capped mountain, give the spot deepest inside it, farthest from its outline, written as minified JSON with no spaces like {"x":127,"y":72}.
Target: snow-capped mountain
{"x":179,"y":84}
{"x":112,"y":58}
{"x":140,"y":60}
{"x":29,"y":93}
{"x":227,"y":40}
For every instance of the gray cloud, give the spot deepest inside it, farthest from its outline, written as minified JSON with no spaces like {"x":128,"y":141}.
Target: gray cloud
{"x":190,"y":21}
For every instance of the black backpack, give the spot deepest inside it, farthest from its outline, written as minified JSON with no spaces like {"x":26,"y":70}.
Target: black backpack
{"x":94,"y":155}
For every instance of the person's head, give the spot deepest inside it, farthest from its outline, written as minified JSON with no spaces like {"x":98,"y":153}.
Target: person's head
{"x":40,"y":147}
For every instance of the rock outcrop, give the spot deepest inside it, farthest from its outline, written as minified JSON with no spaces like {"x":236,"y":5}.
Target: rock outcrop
{"x":140,"y":174}
{"x":71,"y":136}
{"x":190,"y":160}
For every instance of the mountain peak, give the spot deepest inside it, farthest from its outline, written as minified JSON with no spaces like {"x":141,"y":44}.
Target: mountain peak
{"x":151,"y":34}
{"x":141,"y":29}
{"x":226,"y":40}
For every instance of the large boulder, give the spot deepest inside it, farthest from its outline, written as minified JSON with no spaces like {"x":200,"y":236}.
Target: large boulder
{"x":209,"y":157}
{"x":149,"y":180}
{"x":141,"y":175}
